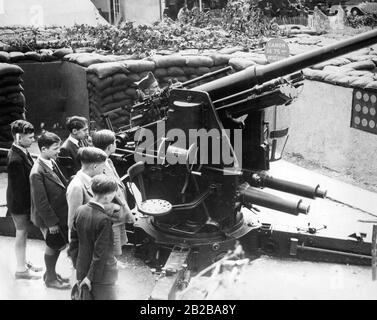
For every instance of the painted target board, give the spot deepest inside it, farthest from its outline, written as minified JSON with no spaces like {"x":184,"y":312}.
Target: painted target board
{"x":364,"y":114}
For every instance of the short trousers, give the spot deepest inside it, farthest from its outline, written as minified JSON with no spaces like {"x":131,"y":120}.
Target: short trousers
{"x":22,"y":221}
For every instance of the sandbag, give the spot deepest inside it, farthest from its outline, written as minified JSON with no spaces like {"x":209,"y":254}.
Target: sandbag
{"x":161,"y":72}
{"x":71,"y":57}
{"x":120,"y":79}
{"x":168,"y":61}
{"x":344,"y":81}
{"x":182,"y":78}
{"x":131,"y":93}
{"x":371,"y":85}
{"x":16,"y":56}
{"x":10,"y":69}
{"x":361,"y":65}
{"x":360,"y":82}
{"x":231,"y":50}
{"x":6,"y":144}
{"x":87,"y":59}
{"x":60,"y":53}
{"x":199,"y":61}
{"x":332,"y":77}
{"x":111,"y":90}
{"x":190,"y":70}
{"x":106,"y":69}
{"x":16,"y":98}
{"x":312,"y":74}
{"x":11,"y":110}
{"x":10,"y":89}
{"x":219,"y":59}
{"x":360,"y":73}
{"x":33,"y":55}
{"x":134,"y":77}
{"x":340,"y":61}
{"x":139,"y":66}
{"x":8,"y":118}
{"x":202,"y":70}
{"x":175,"y":71}
{"x":359,"y":58}
{"x":100,"y":84}
{"x":4,"y":56}
{"x":240,"y":64}
{"x":10,"y":80}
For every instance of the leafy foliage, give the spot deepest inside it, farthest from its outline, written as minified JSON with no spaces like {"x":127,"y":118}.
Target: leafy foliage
{"x":366,"y":20}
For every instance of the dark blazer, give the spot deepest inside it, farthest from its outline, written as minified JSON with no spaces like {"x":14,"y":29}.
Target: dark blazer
{"x":48,"y":202}
{"x":68,"y":160}
{"x":91,"y":245}
{"x":18,"y":189}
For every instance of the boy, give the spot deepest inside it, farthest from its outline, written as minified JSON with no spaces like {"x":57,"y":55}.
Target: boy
{"x":79,"y":191}
{"x":91,"y":246}
{"x":105,"y":140}
{"x":18,"y":193}
{"x":68,"y":156}
{"x":49,"y":207}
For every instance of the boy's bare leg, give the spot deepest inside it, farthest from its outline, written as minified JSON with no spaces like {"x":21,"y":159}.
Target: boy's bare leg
{"x":20,"y":249}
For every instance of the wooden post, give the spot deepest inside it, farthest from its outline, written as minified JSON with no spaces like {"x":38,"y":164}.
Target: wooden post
{"x":374,"y":253}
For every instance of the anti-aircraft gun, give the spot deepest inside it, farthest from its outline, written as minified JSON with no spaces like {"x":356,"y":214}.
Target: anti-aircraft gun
{"x":201,"y":160}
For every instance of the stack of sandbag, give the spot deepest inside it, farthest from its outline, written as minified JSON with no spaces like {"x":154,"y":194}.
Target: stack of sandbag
{"x":12,"y":103}
{"x":111,"y":85}
{"x":181,"y":68}
{"x":357,"y":74}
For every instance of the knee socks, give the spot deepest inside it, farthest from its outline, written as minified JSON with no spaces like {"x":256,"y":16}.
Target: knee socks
{"x":50,"y":261}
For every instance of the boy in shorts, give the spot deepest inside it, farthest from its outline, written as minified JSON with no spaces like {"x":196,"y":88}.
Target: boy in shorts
{"x":49,"y":208}
{"x":18,"y":193}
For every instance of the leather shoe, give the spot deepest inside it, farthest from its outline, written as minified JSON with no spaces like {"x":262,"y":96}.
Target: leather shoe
{"x":57,"y":285}
{"x":27,"y":274}
{"x":61,"y":279}
{"x":33,"y":267}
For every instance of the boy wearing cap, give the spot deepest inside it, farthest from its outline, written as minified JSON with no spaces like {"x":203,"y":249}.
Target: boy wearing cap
{"x":49,"y":207}
{"x":91,"y":245}
{"x":19,"y":164}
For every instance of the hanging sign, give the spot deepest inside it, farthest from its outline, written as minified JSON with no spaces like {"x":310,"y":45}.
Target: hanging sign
{"x":276,"y":49}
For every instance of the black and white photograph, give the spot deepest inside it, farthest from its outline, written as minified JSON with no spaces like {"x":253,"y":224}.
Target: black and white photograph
{"x":202,"y":151}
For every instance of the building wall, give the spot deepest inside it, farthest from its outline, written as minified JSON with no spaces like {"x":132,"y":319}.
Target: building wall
{"x":60,"y":92}
{"x":319,"y":130}
{"x":142,"y":11}
{"x":104,"y":6}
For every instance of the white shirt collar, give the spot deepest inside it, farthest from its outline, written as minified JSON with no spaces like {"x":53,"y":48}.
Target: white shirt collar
{"x":47,"y":162}
{"x":98,"y":204}
{"x":74,"y":140}
{"x":21,"y":148}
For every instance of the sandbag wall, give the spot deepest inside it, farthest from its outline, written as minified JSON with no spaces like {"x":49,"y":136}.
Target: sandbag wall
{"x":111,"y":85}
{"x":12,"y":104}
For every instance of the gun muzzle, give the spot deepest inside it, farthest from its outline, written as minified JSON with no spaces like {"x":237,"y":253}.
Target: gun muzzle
{"x":264,"y":199}
{"x":302,"y":190}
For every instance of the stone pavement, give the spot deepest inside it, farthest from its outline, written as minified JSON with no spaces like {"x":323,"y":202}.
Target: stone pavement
{"x":135,"y":281}
{"x":265,"y":278}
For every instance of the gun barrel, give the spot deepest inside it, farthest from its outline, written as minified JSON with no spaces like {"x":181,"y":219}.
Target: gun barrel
{"x":312,"y":192}
{"x":264,"y":199}
{"x":254,"y":75}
